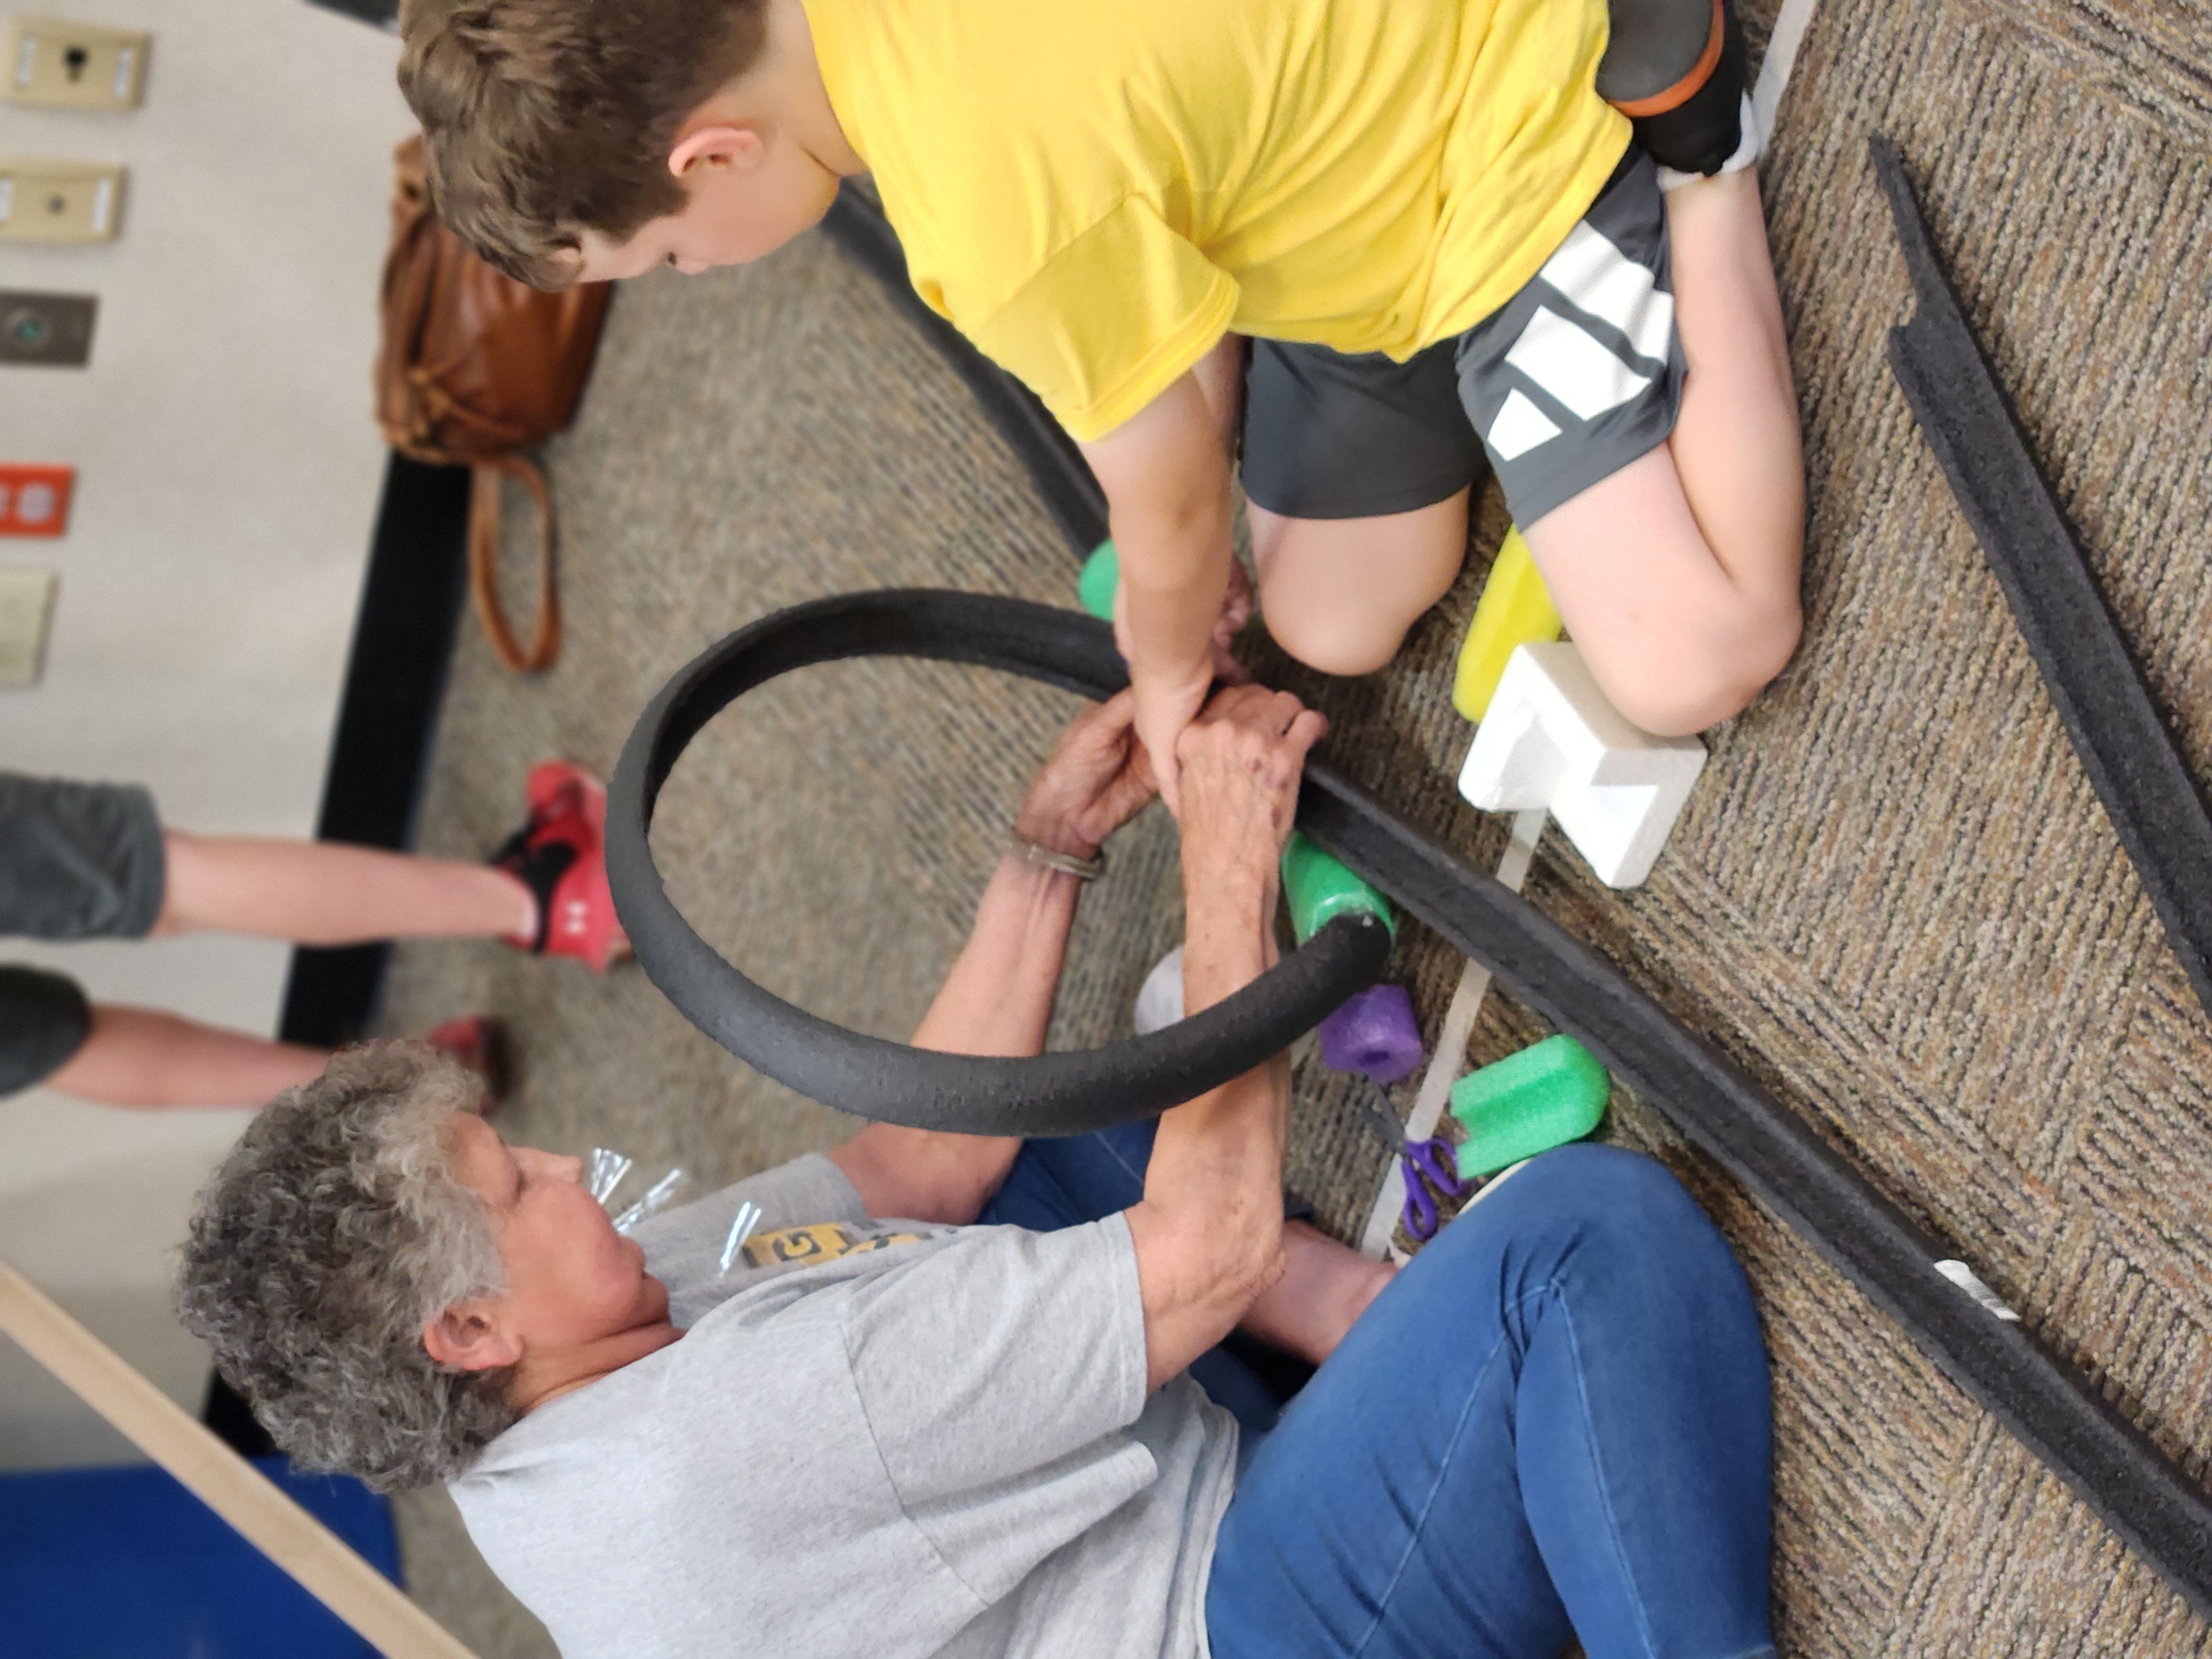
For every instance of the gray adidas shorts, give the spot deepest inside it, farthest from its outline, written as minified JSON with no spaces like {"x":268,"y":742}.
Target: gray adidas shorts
{"x":1573,"y":378}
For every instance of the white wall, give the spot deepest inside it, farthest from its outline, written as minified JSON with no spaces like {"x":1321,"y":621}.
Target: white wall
{"x":228,"y":468}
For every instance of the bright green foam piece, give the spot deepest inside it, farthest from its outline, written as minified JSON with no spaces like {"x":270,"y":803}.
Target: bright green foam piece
{"x":1321,"y":890}
{"x":1549,"y":1093}
{"x":1102,"y":574}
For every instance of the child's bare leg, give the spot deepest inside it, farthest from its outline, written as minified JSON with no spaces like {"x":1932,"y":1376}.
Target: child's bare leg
{"x":1678,"y":575}
{"x":1338,"y":594}
{"x":141,"y":1057}
{"x":1324,"y":1288}
{"x":315,"y":892}
{"x":1220,"y":376}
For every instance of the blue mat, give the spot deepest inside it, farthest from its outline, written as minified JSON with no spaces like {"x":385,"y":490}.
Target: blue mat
{"x":125,"y":1563}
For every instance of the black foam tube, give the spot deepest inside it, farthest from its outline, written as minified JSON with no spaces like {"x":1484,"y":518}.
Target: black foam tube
{"x":1052,"y":1094}
{"x":2118,"y":735}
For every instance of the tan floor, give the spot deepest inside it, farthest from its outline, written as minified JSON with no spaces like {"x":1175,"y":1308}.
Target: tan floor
{"x":1893,"y":897}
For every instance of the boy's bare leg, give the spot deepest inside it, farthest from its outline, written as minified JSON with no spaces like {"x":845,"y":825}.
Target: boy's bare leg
{"x":315,"y":892}
{"x":1220,"y":377}
{"x":1338,"y":594}
{"x":1678,"y":575}
{"x":141,"y":1057}
{"x":1325,"y":1286}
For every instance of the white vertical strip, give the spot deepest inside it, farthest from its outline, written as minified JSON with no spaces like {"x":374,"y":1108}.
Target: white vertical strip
{"x":1781,"y":57}
{"x":1451,"y":1043}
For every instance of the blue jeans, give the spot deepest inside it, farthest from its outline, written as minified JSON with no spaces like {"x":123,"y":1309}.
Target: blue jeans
{"x":1554,"y":1422}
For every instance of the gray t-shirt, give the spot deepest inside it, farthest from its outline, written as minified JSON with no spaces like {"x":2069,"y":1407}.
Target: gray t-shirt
{"x":879,"y":1438}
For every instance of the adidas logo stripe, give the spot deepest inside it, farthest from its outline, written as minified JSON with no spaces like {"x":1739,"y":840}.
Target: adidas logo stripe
{"x":1561,"y":358}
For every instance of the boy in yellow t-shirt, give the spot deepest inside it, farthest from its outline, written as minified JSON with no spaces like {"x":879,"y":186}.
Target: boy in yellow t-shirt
{"x":1434,"y":233}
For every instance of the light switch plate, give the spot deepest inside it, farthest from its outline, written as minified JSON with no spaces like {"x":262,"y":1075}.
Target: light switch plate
{"x":74,"y":65}
{"x":44,"y":201}
{"x":26,"y":606}
{"x":51,"y":330}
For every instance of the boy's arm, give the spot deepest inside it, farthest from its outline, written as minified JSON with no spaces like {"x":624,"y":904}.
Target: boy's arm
{"x":1165,"y":473}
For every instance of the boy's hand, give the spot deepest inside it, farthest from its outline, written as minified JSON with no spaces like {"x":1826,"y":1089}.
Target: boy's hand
{"x":1166,"y":704}
{"x":1164,"y":712}
{"x":1166,"y":472}
{"x":1097,"y":779}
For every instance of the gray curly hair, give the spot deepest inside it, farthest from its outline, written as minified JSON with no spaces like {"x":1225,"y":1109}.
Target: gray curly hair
{"x":331,"y":1232}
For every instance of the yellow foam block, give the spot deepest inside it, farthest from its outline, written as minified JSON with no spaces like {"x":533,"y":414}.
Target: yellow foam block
{"x":1515,"y":609}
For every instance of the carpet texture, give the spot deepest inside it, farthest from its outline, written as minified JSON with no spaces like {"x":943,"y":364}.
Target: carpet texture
{"x":1893,"y":896}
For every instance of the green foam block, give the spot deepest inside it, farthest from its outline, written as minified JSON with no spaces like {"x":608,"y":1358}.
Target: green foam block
{"x":1320,"y":889}
{"x":1102,"y":574}
{"x":1549,"y":1093}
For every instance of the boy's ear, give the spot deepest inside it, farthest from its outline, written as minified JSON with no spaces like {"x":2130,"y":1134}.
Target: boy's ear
{"x":738,"y":148}
{"x":468,"y":1336}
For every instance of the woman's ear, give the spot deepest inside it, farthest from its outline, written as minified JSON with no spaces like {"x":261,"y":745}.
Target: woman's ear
{"x":468,"y":1336}
{"x":739,"y":148}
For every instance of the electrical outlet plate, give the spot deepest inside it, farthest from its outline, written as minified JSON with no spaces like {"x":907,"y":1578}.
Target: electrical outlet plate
{"x":44,"y":201}
{"x":27,"y":607}
{"x":74,"y":65}
{"x":51,"y":330}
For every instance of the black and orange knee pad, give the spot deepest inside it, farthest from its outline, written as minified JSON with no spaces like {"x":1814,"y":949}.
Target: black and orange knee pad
{"x":1675,"y":68}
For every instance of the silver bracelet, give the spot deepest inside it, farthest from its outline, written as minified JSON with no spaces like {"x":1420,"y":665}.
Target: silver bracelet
{"x":1028,"y":851}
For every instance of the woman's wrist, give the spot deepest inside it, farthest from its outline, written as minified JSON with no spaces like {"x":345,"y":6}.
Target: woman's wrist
{"x":1054,"y":834}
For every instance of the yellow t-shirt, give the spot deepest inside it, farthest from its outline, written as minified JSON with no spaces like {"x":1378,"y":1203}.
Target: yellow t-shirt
{"x":1095,"y":191}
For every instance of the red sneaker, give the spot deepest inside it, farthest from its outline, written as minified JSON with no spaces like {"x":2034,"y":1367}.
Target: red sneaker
{"x":479,"y":1042}
{"x":560,"y":855}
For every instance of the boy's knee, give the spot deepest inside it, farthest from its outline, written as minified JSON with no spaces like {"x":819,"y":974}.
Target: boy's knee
{"x":1679,"y":692}
{"x":1343,"y":644}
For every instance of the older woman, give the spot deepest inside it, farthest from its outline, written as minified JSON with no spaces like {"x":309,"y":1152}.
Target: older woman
{"x":887,"y":1431}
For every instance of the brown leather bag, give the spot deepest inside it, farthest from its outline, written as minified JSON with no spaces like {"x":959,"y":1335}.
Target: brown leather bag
{"x":474,"y":367}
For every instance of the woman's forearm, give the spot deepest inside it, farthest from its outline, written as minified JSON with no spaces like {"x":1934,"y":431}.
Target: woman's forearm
{"x":1209,"y":1233}
{"x":998,"y":998}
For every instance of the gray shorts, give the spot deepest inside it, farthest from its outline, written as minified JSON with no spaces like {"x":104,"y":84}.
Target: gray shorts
{"x":1574,"y":377}
{"x":42,"y":1021}
{"x":78,"y":860}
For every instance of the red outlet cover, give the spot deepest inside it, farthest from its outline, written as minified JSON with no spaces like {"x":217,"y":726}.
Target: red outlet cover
{"x":34,"y":498}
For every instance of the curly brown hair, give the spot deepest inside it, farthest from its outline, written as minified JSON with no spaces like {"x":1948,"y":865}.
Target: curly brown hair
{"x":545,"y":118}
{"x":334,"y":1231}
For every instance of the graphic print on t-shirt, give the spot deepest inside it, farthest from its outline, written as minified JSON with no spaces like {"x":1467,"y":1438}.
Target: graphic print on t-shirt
{"x":820,"y":1241}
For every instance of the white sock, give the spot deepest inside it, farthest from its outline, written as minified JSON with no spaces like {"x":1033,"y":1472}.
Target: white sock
{"x":1747,"y":152}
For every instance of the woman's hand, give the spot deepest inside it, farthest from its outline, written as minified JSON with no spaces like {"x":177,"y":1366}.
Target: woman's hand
{"x":1097,"y":779}
{"x":1241,"y":760}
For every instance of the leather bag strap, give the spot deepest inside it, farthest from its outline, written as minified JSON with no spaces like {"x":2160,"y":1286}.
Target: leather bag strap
{"x":483,"y":564}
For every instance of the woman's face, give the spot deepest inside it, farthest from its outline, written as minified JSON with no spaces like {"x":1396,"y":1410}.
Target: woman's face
{"x":572,"y":1279}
